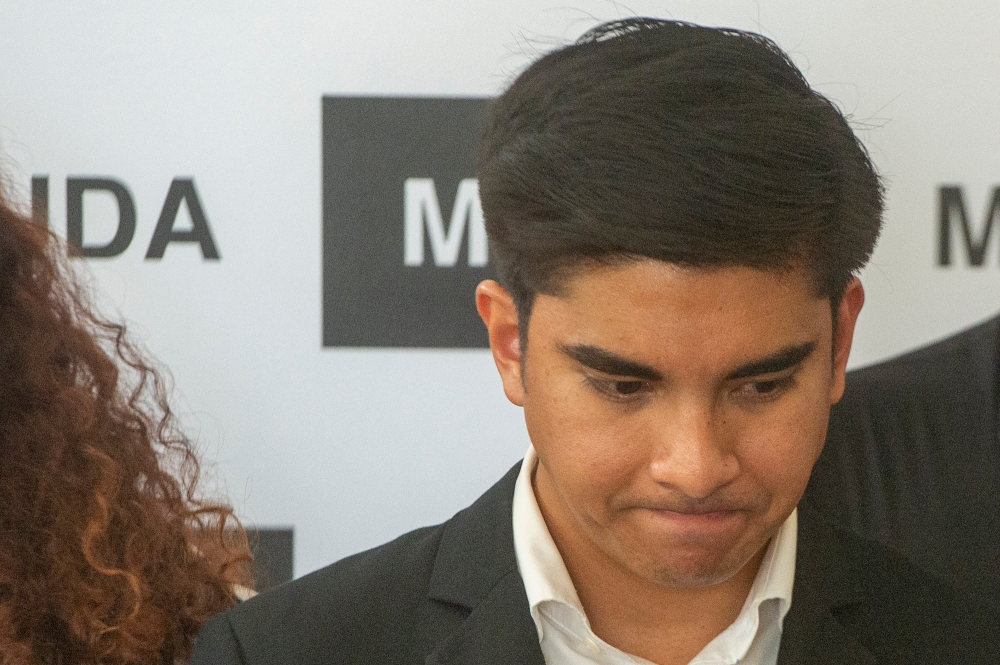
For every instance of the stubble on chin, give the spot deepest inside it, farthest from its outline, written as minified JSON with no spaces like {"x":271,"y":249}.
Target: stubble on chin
{"x":687,"y":567}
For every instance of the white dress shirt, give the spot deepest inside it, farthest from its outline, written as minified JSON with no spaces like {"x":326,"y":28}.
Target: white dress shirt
{"x":564,"y":631}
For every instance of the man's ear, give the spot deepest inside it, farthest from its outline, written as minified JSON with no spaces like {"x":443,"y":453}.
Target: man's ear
{"x":847,"y":317}
{"x":498,"y":312}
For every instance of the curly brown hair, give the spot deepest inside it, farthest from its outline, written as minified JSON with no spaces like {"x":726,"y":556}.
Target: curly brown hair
{"x":107,"y":555}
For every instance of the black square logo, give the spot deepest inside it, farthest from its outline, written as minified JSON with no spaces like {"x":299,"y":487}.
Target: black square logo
{"x":403,"y":238}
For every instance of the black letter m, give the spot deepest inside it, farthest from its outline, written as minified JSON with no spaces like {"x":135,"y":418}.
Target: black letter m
{"x":952,"y":202}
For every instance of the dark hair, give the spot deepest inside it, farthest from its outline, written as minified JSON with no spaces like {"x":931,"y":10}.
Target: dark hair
{"x":107,"y":552}
{"x":701,"y":147}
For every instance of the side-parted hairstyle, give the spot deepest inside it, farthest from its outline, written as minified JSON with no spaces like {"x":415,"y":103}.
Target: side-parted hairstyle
{"x":696,"y":146}
{"x":107,"y":555}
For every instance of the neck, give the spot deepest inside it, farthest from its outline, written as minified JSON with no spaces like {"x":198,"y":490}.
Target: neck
{"x":665,"y":625}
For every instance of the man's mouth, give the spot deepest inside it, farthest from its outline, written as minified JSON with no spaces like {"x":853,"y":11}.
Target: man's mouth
{"x":699,"y":522}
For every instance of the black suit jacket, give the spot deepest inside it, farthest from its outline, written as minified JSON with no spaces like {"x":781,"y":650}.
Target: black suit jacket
{"x":912,"y":459}
{"x":452,"y":594}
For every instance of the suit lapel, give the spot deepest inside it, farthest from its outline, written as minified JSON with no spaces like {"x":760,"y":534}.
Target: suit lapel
{"x":827,"y":644}
{"x":811,"y":633}
{"x":476,"y":572}
{"x":499,"y":631}
{"x":482,"y":615}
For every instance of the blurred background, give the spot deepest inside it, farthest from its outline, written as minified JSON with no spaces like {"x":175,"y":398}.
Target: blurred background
{"x":242,"y":178}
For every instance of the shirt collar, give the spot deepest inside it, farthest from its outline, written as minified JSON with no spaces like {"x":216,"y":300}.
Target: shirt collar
{"x":538,"y":559}
{"x":546,"y":578}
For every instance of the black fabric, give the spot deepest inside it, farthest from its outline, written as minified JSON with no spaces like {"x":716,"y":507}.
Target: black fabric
{"x":452,"y":594}
{"x":912,"y":459}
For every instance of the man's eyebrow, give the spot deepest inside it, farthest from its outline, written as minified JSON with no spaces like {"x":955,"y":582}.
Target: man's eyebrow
{"x":782,"y":360}
{"x":607,"y":362}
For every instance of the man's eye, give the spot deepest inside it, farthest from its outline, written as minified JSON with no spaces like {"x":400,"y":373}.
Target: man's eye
{"x":765,"y":389}
{"x":618,"y":389}
{"x":626,"y":387}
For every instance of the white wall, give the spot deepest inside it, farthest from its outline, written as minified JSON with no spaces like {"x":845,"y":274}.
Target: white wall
{"x":356,"y":446}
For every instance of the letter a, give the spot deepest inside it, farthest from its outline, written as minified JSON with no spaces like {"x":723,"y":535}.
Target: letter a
{"x":182,"y":189}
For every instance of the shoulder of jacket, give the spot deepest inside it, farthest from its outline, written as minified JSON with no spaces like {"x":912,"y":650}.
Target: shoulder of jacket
{"x":345,"y":603}
{"x":927,"y":362}
{"x":907,"y":610}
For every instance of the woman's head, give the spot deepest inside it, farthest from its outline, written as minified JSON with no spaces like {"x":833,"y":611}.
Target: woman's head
{"x":106,"y":553}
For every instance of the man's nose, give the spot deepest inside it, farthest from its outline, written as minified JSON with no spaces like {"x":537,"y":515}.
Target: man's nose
{"x":692,"y":451}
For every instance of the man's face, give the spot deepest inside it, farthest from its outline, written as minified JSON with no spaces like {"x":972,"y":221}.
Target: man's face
{"x":676,"y":413}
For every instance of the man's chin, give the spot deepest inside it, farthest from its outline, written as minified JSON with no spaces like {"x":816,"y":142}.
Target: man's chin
{"x":694,"y":570}
{"x":692,"y":551}
{"x":677,"y":577}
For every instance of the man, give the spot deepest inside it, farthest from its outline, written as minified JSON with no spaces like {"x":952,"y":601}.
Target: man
{"x":912,"y":458}
{"x":676,"y":219}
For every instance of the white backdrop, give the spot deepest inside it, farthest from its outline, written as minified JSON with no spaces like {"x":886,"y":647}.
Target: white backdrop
{"x":353,"y":447}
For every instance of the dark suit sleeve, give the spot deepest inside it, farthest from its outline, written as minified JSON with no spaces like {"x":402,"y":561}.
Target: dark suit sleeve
{"x":912,"y":461}
{"x":216,"y":644}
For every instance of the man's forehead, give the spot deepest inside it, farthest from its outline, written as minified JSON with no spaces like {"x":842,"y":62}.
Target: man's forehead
{"x":662,"y":315}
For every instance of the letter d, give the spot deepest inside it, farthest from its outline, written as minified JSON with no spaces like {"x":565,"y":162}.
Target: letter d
{"x":75,"y":187}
